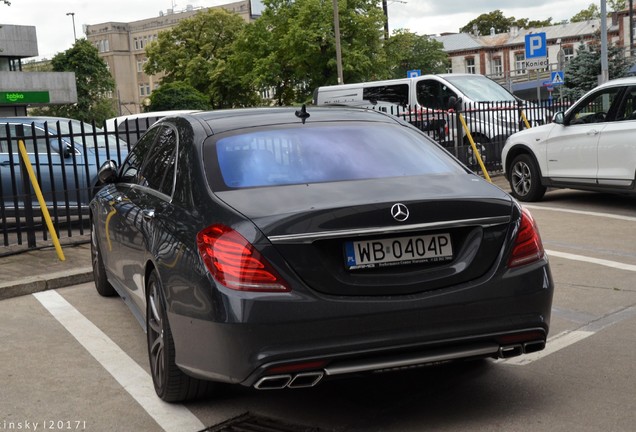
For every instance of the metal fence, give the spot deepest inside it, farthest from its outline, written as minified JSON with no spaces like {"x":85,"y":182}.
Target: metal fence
{"x":489,"y":124}
{"x":66,"y":155}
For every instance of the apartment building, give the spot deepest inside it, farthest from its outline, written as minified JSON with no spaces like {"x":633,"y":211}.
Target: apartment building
{"x":122,"y":46}
{"x":502,"y":56}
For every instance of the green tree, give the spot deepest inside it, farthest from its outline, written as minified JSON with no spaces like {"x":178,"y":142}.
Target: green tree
{"x":617,"y":5}
{"x":501,"y":23}
{"x":177,"y":96}
{"x":195,"y":51}
{"x":291,"y":47}
{"x":93,"y":82}
{"x":528,"y":23}
{"x":486,"y":21}
{"x":406,"y":51}
{"x":592,"y":12}
{"x":581,"y":73}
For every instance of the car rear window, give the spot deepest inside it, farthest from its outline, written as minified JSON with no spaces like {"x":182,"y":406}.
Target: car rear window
{"x":316,"y":154}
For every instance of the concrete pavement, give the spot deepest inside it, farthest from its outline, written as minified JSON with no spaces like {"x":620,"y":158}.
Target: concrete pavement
{"x":39,"y":270}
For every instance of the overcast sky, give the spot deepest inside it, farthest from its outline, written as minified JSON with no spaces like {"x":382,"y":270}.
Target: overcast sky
{"x":55,"y":29}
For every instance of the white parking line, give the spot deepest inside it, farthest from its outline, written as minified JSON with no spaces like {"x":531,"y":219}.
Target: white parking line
{"x":581,"y":212}
{"x":132,"y":377}
{"x":607,"y":263}
{"x":554,"y":344}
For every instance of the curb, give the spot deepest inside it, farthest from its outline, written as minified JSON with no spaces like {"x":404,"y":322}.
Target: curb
{"x":33,"y":284}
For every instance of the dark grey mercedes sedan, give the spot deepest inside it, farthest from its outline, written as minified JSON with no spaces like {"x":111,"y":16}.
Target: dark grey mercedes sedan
{"x":277,"y":247}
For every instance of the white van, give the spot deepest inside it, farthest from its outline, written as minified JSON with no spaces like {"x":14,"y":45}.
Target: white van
{"x":490,"y":110}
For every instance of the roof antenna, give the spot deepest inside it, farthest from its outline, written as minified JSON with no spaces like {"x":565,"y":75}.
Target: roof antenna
{"x":302,"y":113}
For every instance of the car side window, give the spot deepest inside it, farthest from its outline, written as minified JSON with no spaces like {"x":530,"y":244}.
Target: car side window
{"x":433,"y":94}
{"x":132,"y":164}
{"x":596,"y":108}
{"x":398,"y":94}
{"x":25,"y":133}
{"x":627,"y":111}
{"x":158,"y":170}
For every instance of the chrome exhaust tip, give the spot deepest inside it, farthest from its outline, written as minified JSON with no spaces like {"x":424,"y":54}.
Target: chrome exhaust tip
{"x":534,"y":346}
{"x":273,"y":382}
{"x":510,"y":351}
{"x":306,"y":379}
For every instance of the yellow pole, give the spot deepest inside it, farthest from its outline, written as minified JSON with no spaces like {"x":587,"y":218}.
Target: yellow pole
{"x":472,"y":143}
{"x":525,"y":120}
{"x":38,"y":193}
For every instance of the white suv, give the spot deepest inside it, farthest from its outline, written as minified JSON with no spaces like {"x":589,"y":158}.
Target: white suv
{"x":591,"y":146}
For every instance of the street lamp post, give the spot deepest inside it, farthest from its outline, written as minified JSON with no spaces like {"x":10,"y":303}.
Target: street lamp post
{"x":336,"y":25}
{"x":72,"y":14}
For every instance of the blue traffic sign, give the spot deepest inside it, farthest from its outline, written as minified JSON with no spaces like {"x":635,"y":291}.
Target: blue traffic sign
{"x":536,"y":46}
{"x":556,"y":78}
{"x":413,"y":73}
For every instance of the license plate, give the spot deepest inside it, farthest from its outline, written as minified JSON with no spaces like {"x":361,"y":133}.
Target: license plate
{"x":398,"y":251}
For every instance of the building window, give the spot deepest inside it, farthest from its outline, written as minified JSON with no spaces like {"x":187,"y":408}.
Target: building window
{"x":520,"y":63}
{"x":449,"y":65}
{"x":569,"y":53}
{"x":140,"y":64}
{"x":142,"y":90}
{"x":140,"y":43}
{"x":102,"y":45}
{"x":470,"y":65}
{"x":497,"y":66}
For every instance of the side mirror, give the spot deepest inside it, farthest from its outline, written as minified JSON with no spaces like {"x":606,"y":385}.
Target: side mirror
{"x":62,"y":147}
{"x":559,"y":118}
{"x":107,"y":172}
{"x":68,"y":150}
{"x":454,"y":103}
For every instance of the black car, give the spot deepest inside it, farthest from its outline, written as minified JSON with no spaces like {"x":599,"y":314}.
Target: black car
{"x":277,"y":247}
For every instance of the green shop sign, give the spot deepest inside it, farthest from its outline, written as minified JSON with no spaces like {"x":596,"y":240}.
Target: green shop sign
{"x":24,"y":97}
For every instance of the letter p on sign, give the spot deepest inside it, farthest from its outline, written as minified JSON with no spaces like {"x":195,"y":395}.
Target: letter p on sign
{"x":536,"y":45}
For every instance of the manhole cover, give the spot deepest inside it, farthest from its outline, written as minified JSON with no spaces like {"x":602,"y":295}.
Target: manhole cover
{"x":255,"y":423}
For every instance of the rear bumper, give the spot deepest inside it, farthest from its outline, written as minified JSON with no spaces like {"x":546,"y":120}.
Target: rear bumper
{"x":278,"y":343}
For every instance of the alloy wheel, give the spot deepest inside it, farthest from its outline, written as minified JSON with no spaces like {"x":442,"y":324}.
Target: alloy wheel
{"x":156,"y":336}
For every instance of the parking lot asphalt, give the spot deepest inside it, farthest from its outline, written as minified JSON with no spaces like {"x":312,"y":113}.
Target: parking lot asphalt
{"x":38,"y":270}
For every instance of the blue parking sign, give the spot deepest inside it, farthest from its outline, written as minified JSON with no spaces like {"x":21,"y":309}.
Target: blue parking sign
{"x":414,"y":73}
{"x":536,"y":45}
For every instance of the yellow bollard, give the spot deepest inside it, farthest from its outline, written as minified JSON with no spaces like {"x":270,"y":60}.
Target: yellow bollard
{"x":472,"y":143}
{"x":525,"y":120}
{"x":38,"y":193}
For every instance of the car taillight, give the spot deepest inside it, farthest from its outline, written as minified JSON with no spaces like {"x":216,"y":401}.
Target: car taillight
{"x":527,"y":247}
{"x":235,"y":263}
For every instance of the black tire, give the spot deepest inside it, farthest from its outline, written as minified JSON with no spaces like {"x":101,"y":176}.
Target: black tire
{"x":104,"y":288}
{"x":171,"y":384}
{"x":525,"y":179}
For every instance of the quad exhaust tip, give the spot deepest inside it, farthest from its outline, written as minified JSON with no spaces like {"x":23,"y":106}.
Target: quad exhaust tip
{"x":300,"y":380}
{"x":508,"y":351}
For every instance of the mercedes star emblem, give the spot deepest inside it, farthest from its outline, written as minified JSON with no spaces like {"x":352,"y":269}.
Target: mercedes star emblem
{"x":399,"y":212}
